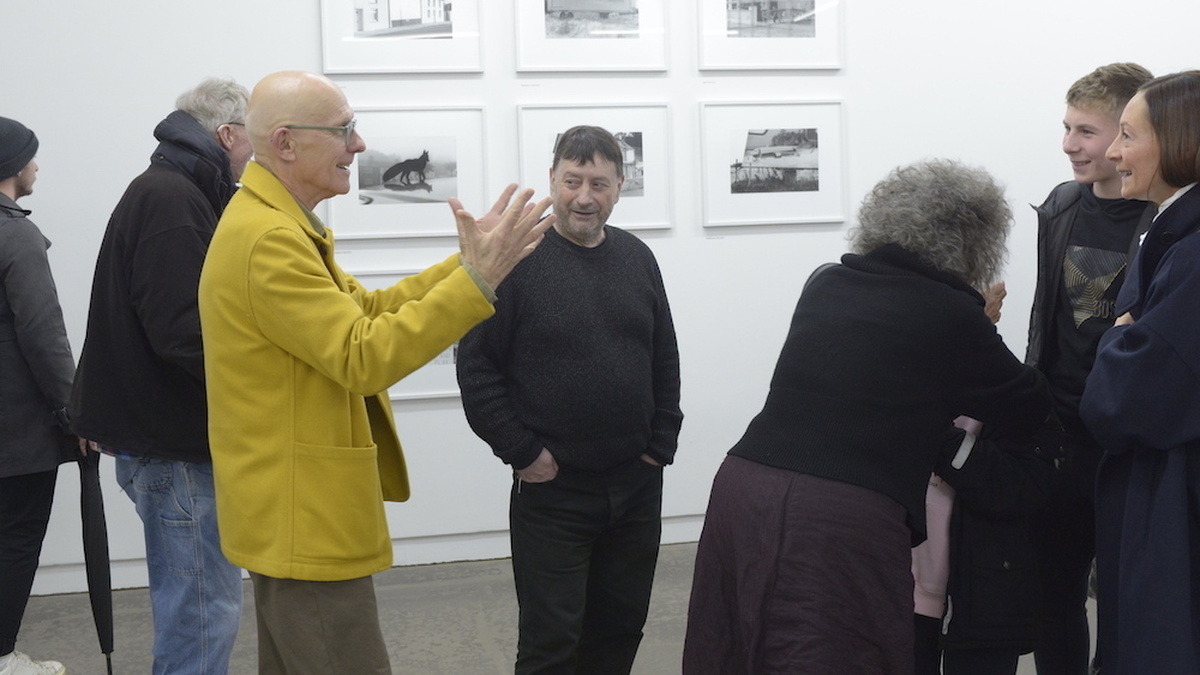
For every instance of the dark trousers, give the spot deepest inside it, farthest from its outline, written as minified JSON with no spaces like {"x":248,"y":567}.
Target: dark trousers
{"x":24,"y":515}
{"x":1064,"y":536}
{"x":931,"y":660}
{"x":584,"y":551}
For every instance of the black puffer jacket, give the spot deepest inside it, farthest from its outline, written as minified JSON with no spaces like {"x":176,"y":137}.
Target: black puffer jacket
{"x":993,"y":593}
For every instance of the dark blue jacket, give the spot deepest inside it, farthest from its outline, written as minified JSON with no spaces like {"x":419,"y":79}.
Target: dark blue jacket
{"x":1142,"y":402}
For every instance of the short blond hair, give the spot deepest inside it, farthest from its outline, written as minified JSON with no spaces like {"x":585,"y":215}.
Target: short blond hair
{"x":1108,"y":88}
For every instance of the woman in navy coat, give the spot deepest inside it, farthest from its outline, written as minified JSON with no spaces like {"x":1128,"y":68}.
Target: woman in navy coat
{"x":1142,"y":399}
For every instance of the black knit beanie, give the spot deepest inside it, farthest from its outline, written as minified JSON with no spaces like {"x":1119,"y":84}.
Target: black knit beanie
{"x":18,"y":145}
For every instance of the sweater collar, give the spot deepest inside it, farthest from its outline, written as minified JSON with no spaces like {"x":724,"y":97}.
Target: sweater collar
{"x":895,"y":259}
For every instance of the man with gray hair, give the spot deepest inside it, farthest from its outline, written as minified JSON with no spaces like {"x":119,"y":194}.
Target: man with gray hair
{"x":139,"y":389}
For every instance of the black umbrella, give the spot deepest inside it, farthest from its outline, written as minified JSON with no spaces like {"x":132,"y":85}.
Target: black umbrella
{"x":95,"y":552}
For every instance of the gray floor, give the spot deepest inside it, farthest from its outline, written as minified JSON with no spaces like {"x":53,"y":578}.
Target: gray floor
{"x":452,"y":619}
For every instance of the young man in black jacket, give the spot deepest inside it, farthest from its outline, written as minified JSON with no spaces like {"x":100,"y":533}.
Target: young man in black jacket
{"x":1087,"y":236}
{"x":139,"y":389}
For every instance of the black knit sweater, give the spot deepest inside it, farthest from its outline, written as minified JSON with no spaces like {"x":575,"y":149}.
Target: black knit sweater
{"x":580,"y":358}
{"x":884,"y":351}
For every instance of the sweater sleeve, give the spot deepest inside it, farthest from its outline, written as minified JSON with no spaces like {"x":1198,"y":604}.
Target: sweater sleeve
{"x":37,"y":318}
{"x":486,"y":395}
{"x":668,"y":418}
{"x":997,"y":389}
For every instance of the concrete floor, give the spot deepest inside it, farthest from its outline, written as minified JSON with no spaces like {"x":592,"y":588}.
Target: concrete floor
{"x":450,"y":619}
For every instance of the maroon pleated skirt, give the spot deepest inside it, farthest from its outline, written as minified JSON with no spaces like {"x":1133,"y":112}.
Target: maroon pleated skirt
{"x":799,"y":574}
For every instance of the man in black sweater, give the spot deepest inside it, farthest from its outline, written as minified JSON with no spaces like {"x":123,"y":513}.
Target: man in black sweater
{"x":139,"y":389}
{"x":575,"y":384}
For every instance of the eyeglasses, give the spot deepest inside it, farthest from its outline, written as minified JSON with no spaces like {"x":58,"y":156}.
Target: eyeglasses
{"x":347,"y":129}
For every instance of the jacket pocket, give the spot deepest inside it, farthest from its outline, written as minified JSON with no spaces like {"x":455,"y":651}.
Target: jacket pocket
{"x":338,"y":505}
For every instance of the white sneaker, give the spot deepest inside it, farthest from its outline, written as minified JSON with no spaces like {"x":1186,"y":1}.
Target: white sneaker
{"x":21,"y":664}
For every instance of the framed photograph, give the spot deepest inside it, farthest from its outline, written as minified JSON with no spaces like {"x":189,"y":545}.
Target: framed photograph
{"x":770,"y":34}
{"x":400,"y":36}
{"x":773,"y":163}
{"x":436,"y":379}
{"x":575,"y":35}
{"x":642,"y":131}
{"x":416,"y":159}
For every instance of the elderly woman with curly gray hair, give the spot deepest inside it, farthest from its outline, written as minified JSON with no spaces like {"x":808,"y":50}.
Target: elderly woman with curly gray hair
{"x":804,"y":562}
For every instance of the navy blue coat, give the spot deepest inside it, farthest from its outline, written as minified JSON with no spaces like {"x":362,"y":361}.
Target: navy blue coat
{"x":1142,"y":402}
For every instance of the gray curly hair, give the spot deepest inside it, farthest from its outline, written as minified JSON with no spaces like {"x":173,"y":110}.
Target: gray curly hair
{"x":953,"y":216}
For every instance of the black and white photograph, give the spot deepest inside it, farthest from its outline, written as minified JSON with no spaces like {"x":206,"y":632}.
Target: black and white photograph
{"x":591,"y":35}
{"x":770,"y":34}
{"x":423,"y":19}
{"x":775,"y":160}
{"x":772,"y":163}
{"x":772,"y":19}
{"x":382,"y":36}
{"x":416,"y":159}
{"x":410,"y":169}
{"x":641,"y":131}
{"x":592,"y":19}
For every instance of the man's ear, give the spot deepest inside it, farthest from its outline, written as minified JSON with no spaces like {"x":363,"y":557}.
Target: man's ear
{"x":284,"y":144}
{"x":225,"y":137}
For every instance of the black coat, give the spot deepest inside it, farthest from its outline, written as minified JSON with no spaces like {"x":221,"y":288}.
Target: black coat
{"x":140,"y":383}
{"x":883,"y":352}
{"x":993,"y":594}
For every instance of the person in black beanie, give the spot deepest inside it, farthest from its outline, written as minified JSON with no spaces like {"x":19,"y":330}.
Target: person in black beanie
{"x":37,"y":367}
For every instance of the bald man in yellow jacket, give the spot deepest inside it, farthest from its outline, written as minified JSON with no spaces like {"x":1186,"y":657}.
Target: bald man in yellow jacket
{"x":298,"y":359}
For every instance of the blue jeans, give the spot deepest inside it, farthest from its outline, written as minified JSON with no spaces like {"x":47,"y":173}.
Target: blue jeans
{"x":195,"y":593}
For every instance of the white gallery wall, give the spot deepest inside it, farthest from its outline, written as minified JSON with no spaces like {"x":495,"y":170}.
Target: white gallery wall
{"x":981,"y":82}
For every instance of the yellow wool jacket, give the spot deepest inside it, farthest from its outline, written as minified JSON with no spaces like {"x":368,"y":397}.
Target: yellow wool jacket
{"x":298,"y":358}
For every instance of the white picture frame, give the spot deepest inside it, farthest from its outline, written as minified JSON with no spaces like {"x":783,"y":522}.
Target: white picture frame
{"x":796,"y":34}
{"x":645,"y":201}
{"x":400,"y":36}
{"x":770,"y":163}
{"x":443,"y":149}
{"x":591,"y":35}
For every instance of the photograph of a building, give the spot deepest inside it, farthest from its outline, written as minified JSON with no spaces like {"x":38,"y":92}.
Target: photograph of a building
{"x":403,"y":18}
{"x":771,"y":18}
{"x":776,"y":160}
